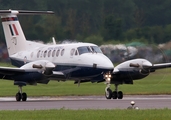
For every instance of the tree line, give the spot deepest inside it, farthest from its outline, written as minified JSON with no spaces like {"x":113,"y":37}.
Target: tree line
{"x":97,"y":21}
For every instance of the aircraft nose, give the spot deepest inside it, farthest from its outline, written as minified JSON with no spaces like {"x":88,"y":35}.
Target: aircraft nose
{"x":104,"y":62}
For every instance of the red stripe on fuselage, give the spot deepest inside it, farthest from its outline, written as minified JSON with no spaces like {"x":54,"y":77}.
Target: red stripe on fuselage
{"x":9,"y":19}
{"x":15,"y":29}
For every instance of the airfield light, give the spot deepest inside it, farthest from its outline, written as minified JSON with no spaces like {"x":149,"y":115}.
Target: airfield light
{"x":132,"y":103}
{"x":132,"y":106}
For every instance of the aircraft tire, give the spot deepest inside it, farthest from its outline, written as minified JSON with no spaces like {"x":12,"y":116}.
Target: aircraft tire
{"x":108,"y":93}
{"x":120,"y":95}
{"x":18,"y":96}
{"x":24,"y":96}
{"x":114,"y":95}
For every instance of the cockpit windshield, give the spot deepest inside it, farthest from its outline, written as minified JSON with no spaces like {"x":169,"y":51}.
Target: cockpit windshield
{"x":96,"y":49}
{"x":89,"y":49}
{"x":83,"y":49}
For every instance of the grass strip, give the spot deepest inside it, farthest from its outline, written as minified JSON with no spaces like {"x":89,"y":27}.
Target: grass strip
{"x":62,"y":114}
{"x":158,"y":82}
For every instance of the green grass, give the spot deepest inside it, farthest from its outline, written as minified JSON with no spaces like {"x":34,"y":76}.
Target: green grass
{"x":87,"y":115}
{"x":158,"y":82}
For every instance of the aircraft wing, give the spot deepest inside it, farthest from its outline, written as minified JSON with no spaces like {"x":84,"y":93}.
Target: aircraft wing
{"x":160,"y":66}
{"x":15,"y":73}
{"x":11,"y":71}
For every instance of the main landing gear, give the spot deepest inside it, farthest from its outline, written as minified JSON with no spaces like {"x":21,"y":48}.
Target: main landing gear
{"x":115,"y":94}
{"x":20,"y":95}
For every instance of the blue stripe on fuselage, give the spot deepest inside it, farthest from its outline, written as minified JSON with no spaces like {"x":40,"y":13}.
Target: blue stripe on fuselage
{"x":73,"y":71}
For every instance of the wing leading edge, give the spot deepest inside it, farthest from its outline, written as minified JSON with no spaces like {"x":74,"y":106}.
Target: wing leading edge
{"x":161,"y":66}
{"x":16,"y":73}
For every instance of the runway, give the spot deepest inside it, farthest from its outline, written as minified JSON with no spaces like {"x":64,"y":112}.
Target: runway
{"x":86,"y":102}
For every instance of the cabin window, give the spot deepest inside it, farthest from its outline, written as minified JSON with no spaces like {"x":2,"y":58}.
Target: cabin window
{"x":38,"y":54}
{"x":41,"y":54}
{"x":53,"y":53}
{"x":72,"y":52}
{"x":57,"y":53}
{"x":45,"y":52}
{"x":49,"y":53}
{"x":84,"y":49}
{"x":62,"y":52}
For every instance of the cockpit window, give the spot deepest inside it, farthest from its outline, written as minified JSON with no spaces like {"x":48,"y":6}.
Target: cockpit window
{"x":96,"y":49}
{"x":84,"y":49}
{"x":89,"y":49}
{"x":76,"y":52}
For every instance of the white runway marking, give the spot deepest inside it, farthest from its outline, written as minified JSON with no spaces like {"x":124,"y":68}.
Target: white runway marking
{"x":126,"y":97}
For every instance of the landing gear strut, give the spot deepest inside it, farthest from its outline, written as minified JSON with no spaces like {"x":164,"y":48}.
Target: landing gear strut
{"x":20,"y":96}
{"x":115,"y":94}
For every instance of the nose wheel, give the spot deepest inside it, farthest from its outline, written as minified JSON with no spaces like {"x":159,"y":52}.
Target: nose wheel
{"x":115,"y":94}
{"x":20,"y":96}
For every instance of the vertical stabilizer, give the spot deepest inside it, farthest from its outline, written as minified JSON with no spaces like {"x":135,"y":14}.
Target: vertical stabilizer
{"x":14,"y":35}
{"x":15,"y":38}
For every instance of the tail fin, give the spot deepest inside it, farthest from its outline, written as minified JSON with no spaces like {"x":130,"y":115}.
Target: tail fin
{"x":15,"y":38}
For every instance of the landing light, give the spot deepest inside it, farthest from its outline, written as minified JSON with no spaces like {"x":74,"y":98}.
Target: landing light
{"x":107,"y":77}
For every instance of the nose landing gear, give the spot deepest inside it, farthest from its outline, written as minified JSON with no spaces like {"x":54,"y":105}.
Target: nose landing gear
{"x":115,"y":94}
{"x":108,"y":92}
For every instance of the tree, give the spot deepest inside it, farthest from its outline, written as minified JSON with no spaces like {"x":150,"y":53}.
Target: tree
{"x":112,"y":28}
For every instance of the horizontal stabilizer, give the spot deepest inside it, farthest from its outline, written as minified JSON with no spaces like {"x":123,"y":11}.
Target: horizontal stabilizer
{"x":24,"y":12}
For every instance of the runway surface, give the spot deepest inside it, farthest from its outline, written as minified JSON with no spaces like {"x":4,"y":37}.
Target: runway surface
{"x":86,"y":102}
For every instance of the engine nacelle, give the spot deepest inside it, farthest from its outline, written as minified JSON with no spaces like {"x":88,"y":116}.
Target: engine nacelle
{"x":133,"y":70}
{"x":41,"y":66}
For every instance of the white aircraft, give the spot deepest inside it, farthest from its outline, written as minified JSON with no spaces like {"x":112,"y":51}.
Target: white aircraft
{"x":81,"y":62}
{"x":39,"y":63}
{"x":128,"y":71}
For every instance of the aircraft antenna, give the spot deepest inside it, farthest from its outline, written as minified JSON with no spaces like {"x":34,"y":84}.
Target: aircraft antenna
{"x":53,"y":39}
